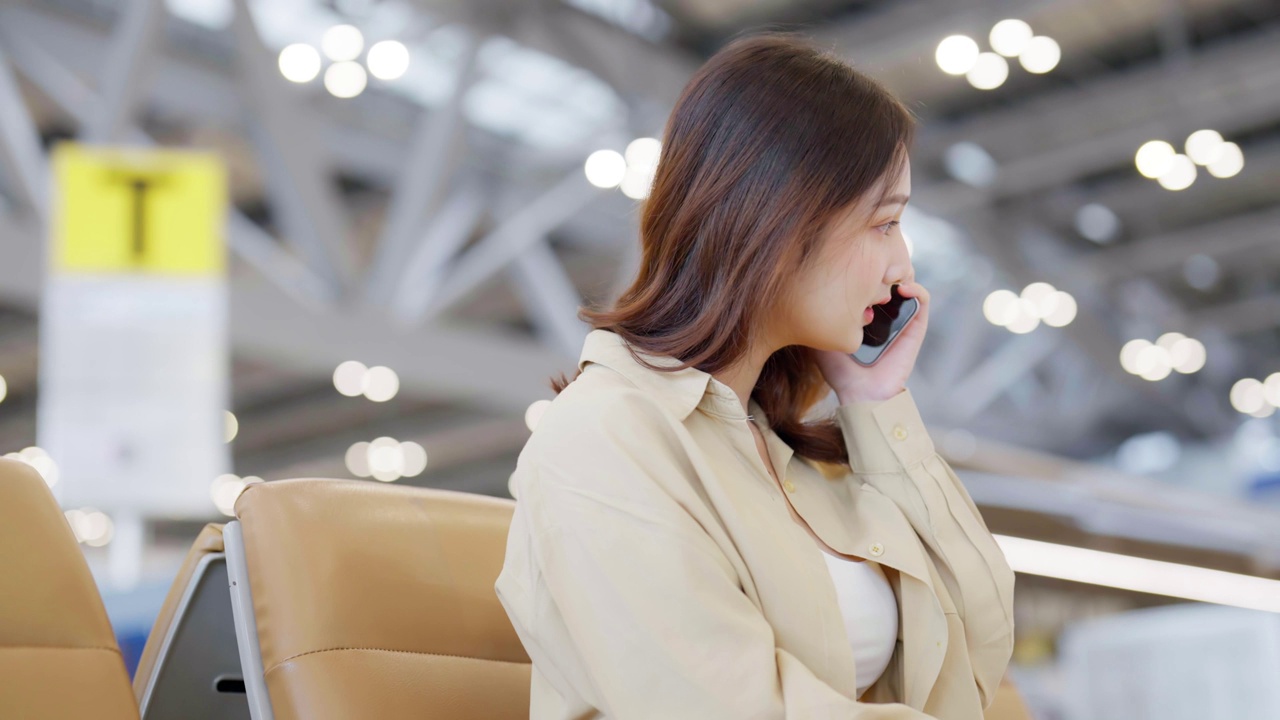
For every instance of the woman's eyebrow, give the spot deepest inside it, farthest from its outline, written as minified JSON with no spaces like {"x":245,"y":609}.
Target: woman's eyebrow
{"x":895,"y":200}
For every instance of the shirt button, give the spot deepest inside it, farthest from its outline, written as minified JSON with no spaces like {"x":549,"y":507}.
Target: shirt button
{"x":900,"y":432}
{"x":876,"y":549}
{"x":790,"y":486}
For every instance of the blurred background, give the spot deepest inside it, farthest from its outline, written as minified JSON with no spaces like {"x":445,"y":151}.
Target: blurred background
{"x":247,"y":240}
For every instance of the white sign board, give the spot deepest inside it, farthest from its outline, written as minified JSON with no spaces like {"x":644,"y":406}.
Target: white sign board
{"x":133,"y":347}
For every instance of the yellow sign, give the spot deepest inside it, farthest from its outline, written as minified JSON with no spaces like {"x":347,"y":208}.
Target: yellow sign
{"x":138,"y":211}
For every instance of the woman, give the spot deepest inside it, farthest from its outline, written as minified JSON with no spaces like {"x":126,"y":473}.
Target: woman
{"x":686,"y":542}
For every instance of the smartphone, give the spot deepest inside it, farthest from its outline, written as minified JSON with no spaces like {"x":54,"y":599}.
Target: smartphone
{"x":890,"y":319}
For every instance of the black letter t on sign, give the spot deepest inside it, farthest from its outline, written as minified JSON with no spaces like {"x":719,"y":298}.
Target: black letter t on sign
{"x":139,"y":186}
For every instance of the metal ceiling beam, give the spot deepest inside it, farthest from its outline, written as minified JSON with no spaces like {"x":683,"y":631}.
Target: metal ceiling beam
{"x":446,"y":233}
{"x":249,"y":241}
{"x":22,"y":163}
{"x":993,"y":238}
{"x":1247,"y":233}
{"x":513,"y":237}
{"x":551,"y":298}
{"x":434,"y":158}
{"x":1051,"y":140}
{"x":1009,"y":364}
{"x":139,"y":26}
{"x":60,"y":53}
{"x":486,"y":367}
{"x":299,"y":181}
{"x":1240,"y":317}
{"x":894,"y":33}
{"x":637,"y":69}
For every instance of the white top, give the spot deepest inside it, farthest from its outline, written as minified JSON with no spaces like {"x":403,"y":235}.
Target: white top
{"x":870,"y":614}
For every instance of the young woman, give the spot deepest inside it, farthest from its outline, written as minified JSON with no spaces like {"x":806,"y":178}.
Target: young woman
{"x":687,"y":542}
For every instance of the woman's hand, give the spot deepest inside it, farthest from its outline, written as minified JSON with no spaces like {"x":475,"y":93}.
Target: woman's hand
{"x":888,"y":377}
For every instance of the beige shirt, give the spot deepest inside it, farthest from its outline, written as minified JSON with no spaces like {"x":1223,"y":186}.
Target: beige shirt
{"x":654,"y":571}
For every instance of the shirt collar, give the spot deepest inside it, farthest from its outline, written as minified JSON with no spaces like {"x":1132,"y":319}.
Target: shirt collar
{"x":679,"y":391}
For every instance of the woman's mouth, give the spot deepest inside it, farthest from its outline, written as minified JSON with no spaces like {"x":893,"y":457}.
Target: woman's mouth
{"x":868,"y":315}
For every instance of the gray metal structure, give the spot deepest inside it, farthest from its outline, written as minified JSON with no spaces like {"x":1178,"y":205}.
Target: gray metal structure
{"x":198,"y":674}
{"x":246,"y":624}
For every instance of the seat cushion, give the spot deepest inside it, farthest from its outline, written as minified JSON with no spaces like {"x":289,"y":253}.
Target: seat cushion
{"x":351,"y":683}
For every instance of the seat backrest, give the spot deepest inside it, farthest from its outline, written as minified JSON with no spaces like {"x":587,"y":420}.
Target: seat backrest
{"x":1008,"y":703}
{"x":58,"y":654}
{"x":190,"y":667}
{"x":374,"y":600}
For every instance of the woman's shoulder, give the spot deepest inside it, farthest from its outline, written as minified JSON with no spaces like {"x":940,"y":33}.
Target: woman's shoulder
{"x":599,"y":406}
{"x":602,"y":421}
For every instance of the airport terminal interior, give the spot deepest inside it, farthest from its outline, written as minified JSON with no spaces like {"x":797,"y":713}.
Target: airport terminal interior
{"x":249,"y":246}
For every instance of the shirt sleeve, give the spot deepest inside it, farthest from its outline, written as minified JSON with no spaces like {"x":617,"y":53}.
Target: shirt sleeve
{"x":641,"y":610}
{"x":890,"y":449}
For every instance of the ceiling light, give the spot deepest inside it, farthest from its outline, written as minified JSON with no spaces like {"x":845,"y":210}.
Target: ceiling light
{"x":342,"y":43}
{"x":1201,"y":272}
{"x":1040,"y":55}
{"x":1063,"y":312}
{"x":1248,"y":396}
{"x":1204,"y":146}
{"x":956,"y":54}
{"x":970,"y":163}
{"x":1041,"y":297}
{"x":1098,"y":223}
{"x":357,"y":459}
{"x":299,"y":63}
{"x":1010,"y":37}
{"x":381,"y":383}
{"x":1000,"y":308}
{"x":1130,"y":352}
{"x":1154,"y":158}
{"x":636,"y":183}
{"x":1229,"y":163}
{"x":224,"y":491}
{"x":989,"y":71}
{"x":643,"y":152}
{"x":348,"y":378}
{"x":413,"y":458}
{"x":1180,"y":175}
{"x":345,"y":79}
{"x":1188,"y":355}
{"x":1271,"y":389}
{"x":230,"y":426}
{"x":605,"y":168}
{"x":1154,"y":363}
{"x":534,"y":413}
{"x":1027,"y":319}
{"x":388,"y":59}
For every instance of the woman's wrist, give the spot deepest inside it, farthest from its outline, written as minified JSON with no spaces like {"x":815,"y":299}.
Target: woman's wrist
{"x":849,"y":396}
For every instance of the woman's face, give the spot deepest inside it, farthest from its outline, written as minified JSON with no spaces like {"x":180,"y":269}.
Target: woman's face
{"x":861,"y":255}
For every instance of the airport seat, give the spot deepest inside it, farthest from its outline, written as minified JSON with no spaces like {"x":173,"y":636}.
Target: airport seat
{"x":359,"y":599}
{"x":1008,"y":703}
{"x":190,"y":666}
{"x":58,"y":654}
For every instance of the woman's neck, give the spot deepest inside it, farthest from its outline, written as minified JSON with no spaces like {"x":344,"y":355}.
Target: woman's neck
{"x":742,"y":376}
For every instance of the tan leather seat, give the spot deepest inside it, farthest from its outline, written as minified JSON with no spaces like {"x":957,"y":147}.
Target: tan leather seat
{"x":376,"y":601}
{"x":58,"y":655}
{"x":1008,"y":703}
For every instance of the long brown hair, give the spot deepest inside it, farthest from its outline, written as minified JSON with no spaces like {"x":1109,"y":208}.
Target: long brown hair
{"x":768,"y":141}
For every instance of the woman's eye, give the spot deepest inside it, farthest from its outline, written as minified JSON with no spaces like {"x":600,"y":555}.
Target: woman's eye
{"x":889,"y":226}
